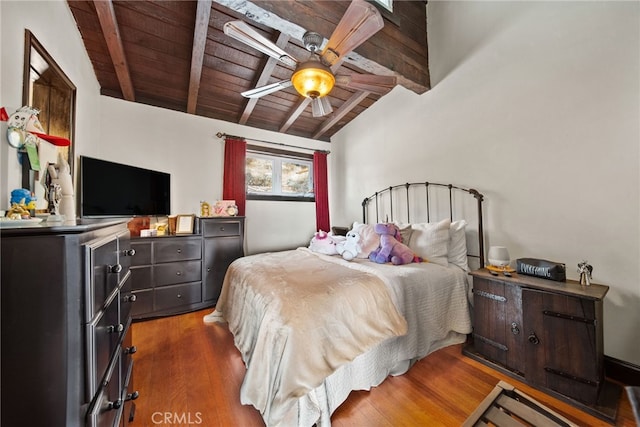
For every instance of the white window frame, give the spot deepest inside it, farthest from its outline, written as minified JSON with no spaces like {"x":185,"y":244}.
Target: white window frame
{"x":277,"y":160}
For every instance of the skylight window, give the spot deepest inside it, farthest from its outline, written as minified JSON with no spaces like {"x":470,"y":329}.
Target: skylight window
{"x":387,"y":4}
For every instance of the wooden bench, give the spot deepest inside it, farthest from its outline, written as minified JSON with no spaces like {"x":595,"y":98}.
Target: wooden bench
{"x":634,"y":398}
{"x":505,"y":407}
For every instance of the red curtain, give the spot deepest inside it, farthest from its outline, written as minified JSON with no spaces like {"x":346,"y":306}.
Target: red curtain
{"x":233,"y":185}
{"x":321,"y":190}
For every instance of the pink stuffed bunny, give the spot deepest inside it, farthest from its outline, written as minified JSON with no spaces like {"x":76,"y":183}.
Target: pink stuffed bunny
{"x":391,"y":247}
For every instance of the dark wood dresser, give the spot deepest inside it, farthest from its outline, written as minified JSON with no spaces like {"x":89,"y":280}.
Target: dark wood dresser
{"x":547,"y":334}
{"x":66,"y":340}
{"x":181,"y":273}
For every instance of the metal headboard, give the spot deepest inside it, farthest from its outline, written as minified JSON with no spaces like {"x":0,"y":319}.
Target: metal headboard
{"x":386,"y":197}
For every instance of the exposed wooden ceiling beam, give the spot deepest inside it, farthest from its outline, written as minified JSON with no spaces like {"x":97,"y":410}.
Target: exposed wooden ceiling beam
{"x":109,"y":24}
{"x":295,"y":113}
{"x":203,"y":11}
{"x":263,"y":79}
{"x":334,"y":118}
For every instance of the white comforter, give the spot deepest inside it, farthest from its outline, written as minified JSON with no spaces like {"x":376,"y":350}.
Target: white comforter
{"x":302,"y":381}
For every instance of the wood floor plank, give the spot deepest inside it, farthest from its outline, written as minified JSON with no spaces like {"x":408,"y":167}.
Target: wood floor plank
{"x":189,"y":373}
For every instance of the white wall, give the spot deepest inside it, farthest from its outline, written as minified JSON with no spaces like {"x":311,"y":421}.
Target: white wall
{"x":536,"y":105}
{"x":186,"y":146}
{"x":51,"y":22}
{"x":181,"y":144}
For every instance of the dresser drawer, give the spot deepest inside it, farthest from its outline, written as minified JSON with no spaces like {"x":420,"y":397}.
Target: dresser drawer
{"x":103,"y":272}
{"x":130,"y":394}
{"x":177,"y":272}
{"x":127,"y":299}
{"x":178,"y":295}
{"x":141,"y":277}
{"x":143,"y":252}
{"x":126,"y":359}
{"x":144,"y":303}
{"x":220,"y":228}
{"x":103,"y":336}
{"x":125,"y":252}
{"x":107,"y":408}
{"x":177,"y":249}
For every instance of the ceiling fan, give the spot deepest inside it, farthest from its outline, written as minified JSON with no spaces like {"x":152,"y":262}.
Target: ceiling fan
{"x":314,"y":78}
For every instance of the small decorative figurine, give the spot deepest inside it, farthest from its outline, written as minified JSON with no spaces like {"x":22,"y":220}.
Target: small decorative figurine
{"x":205,"y":209}
{"x":60,"y":189}
{"x":585,"y":271}
{"x":53,"y":196}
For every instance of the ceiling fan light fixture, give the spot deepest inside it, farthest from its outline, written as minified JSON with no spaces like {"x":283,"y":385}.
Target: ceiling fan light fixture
{"x":313,"y":79}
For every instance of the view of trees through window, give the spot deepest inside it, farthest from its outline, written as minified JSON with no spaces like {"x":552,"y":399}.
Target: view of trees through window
{"x":295,"y":178}
{"x":268,"y":174}
{"x":259,"y":175}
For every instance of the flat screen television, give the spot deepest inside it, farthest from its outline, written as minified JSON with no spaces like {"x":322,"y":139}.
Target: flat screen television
{"x":109,"y":189}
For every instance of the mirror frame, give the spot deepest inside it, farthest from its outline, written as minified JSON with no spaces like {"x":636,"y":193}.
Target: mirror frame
{"x":31,"y":46}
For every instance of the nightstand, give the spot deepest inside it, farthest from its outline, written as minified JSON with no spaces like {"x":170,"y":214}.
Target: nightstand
{"x":547,"y":334}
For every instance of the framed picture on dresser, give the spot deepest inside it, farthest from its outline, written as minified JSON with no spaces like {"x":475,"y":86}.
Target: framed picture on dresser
{"x":184,"y":224}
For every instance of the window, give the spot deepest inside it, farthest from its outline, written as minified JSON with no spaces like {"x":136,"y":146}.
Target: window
{"x":388,"y":4}
{"x":278,"y":175}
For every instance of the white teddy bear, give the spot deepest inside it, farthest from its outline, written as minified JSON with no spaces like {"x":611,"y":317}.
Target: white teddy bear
{"x":350,"y":247}
{"x":360,"y":241}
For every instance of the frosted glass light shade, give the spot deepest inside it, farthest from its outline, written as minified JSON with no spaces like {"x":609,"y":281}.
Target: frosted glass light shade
{"x":313,"y":79}
{"x":499,"y":256}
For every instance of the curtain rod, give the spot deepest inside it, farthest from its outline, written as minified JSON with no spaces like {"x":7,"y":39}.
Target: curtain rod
{"x":223,"y":135}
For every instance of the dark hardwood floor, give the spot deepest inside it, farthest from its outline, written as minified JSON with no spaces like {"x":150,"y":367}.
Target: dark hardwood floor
{"x":189,"y":373}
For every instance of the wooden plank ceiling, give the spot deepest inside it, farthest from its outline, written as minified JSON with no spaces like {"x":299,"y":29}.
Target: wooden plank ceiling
{"x":174,"y":55}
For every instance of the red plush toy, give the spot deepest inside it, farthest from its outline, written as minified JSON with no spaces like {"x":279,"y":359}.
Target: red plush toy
{"x":391,"y":247}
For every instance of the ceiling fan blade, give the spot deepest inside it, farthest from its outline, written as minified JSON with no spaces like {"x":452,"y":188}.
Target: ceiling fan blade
{"x":379,"y":85}
{"x":320,"y":106}
{"x":241,"y":31}
{"x":360,"y":21}
{"x":267,"y":89}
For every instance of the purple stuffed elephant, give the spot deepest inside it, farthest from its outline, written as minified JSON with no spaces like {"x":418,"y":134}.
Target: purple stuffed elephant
{"x":391,"y":247}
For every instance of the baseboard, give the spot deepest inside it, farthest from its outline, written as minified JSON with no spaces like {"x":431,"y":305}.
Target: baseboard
{"x":621,"y":371}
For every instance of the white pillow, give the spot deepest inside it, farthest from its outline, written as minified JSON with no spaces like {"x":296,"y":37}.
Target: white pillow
{"x":369,"y":239}
{"x":458,"y":244}
{"x":430,"y":241}
{"x":405,"y":232}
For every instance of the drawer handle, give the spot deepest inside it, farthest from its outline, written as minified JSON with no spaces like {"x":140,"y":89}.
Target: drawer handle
{"x":132,"y":396}
{"x":116,"y":328}
{"x":115,"y":404}
{"x":533,"y":339}
{"x":130,"y":350}
{"x":129,"y":252}
{"x":179,"y":251}
{"x":221,"y":228}
{"x":179,"y":295}
{"x":130,"y":298}
{"x":208,"y":269}
{"x":514,"y":328}
{"x":178,"y":273}
{"x":114,"y":268}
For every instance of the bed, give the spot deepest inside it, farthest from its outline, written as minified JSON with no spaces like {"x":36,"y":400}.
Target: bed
{"x":312,"y":327}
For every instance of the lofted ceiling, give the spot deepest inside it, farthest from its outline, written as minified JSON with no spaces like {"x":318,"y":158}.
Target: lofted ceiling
{"x":174,"y":55}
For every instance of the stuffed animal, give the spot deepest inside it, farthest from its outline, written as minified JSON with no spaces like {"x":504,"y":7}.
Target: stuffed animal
{"x":391,"y":247}
{"x":349,"y":248}
{"x":324,"y":243}
{"x":359,"y":242}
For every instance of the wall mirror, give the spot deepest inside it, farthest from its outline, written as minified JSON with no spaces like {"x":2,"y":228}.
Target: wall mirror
{"x":47,"y":88}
